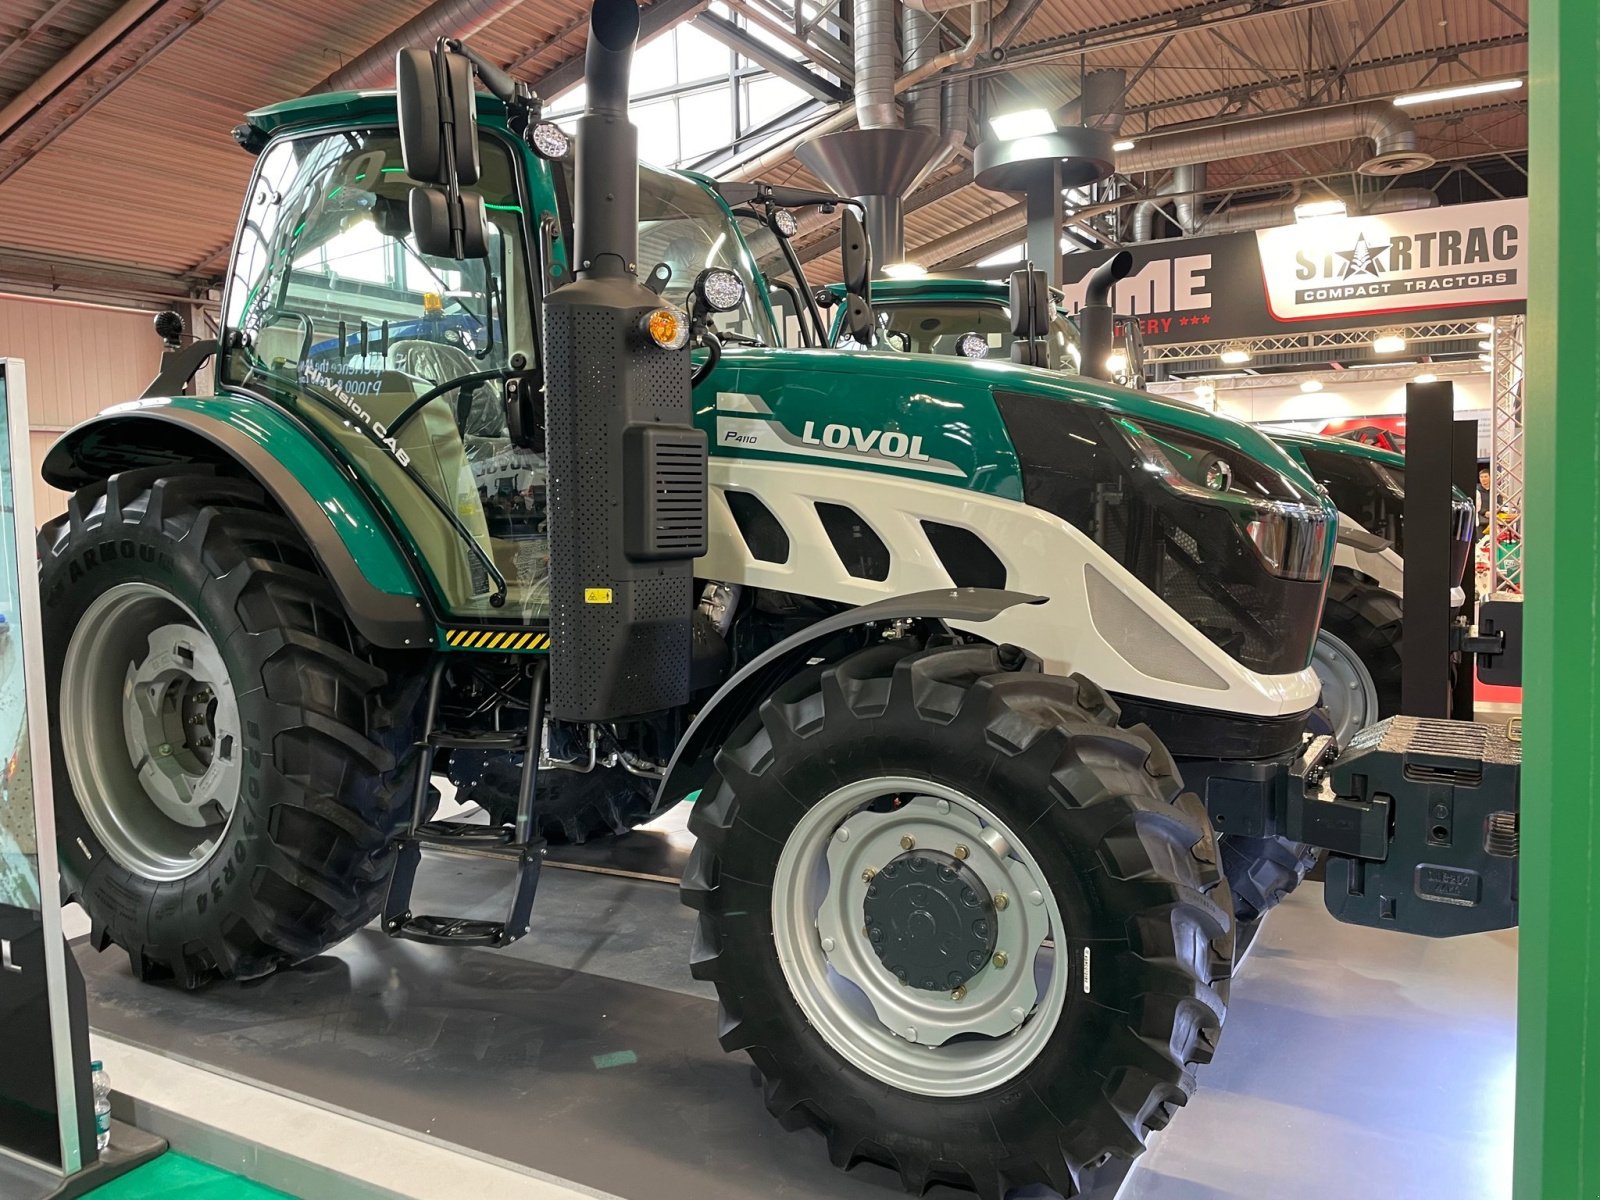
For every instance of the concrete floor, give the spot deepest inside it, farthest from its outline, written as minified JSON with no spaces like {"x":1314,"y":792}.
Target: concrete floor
{"x":1355,"y":1063}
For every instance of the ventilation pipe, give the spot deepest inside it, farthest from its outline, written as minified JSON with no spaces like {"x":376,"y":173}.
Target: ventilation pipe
{"x":374,"y":66}
{"x":921,"y":39}
{"x":1391,"y":131}
{"x":876,"y":65}
{"x":1186,"y":184}
{"x":1281,"y":212}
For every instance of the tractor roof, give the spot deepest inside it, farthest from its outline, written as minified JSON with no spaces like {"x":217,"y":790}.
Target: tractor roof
{"x":1339,"y":445}
{"x":337,"y":108}
{"x":937,"y":288}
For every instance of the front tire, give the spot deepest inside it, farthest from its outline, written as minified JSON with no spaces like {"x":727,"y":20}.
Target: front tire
{"x":230,"y":758}
{"x":1024,"y":1062}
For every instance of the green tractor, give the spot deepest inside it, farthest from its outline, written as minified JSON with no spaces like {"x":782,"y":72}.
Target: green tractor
{"x":983,"y":690}
{"x":1358,"y":650}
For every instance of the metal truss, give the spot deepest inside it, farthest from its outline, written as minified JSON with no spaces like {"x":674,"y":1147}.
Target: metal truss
{"x":1440,"y":337}
{"x":1506,"y":473}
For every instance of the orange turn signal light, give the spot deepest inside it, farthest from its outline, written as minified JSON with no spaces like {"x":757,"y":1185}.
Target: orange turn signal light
{"x":667,"y":328}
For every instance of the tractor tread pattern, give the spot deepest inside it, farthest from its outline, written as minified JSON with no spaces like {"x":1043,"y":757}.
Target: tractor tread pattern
{"x":1161,"y":917}
{"x":335,"y":767}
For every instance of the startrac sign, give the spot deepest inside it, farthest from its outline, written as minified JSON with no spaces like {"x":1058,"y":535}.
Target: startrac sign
{"x":1326,"y":274}
{"x":1470,"y":254}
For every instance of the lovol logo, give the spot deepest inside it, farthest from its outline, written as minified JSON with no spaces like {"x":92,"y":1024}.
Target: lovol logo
{"x":888,"y":443}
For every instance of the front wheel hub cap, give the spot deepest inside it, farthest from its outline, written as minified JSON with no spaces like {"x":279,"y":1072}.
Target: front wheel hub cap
{"x":930,"y":928}
{"x":930,"y":920}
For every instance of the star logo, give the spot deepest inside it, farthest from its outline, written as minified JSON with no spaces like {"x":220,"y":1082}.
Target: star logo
{"x":1363,"y":258}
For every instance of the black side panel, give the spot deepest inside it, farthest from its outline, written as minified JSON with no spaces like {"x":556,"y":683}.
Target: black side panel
{"x":856,"y":543}
{"x":965,"y":555}
{"x":761,"y":531}
{"x":1205,"y":733}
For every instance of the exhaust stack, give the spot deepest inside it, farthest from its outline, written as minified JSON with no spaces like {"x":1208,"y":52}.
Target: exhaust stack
{"x":1094,"y":317}
{"x":627,"y":467}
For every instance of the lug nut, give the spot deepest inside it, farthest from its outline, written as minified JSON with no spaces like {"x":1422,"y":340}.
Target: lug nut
{"x":962,"y":852}
{"x":164,"y":749}
{"x":866,"y":876}
{"x":960,"y":993}
{"x":1001,"y":900}
{"x":907,"y":842}
{"x":1000,"y":958}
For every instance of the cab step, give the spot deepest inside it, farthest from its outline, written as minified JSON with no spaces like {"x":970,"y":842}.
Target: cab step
{"x":517,"y":844}
{"x":474,"y":739}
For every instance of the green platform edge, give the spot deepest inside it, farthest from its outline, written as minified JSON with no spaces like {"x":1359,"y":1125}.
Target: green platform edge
{"x":177,"y":1177}
{"x":1558,"y":1027}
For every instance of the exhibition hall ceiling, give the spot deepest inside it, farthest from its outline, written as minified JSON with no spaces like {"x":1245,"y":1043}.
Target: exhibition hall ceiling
{"x":115,"y":115}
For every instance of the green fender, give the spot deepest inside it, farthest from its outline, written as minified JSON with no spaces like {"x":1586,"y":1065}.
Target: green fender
{"x":357,"y":552}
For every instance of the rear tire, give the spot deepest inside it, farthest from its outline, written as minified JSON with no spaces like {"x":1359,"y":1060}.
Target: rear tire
{"x":1127,"y":863}
{"x":1366,"y":618}
{"x":297,"y":847}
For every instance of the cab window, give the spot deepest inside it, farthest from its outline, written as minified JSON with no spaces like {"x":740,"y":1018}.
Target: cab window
{"x":397,"y":357}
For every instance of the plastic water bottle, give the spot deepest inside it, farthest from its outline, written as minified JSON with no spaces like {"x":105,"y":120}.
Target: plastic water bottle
{"x":102,"y":1104}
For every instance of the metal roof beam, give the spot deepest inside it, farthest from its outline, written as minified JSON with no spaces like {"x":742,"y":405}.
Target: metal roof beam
{"x":654,"y":19}
{"x":766,"y":56}
{"x":1319,"y":75}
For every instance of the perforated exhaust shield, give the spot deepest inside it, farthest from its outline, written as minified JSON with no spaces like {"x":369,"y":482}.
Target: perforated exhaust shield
{"x":627,"y":506}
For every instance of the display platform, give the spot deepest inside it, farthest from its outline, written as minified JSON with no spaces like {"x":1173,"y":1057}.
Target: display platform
{"x":1354,"y":1062}
{"x":586,"y":1051}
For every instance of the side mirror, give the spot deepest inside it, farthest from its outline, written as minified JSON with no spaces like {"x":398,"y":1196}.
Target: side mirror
{"x":430,"y":224}
{"x":855,"y":258}
{"x":1030,"y":317}
{"x":438,"y":116}
{"x":1030,"y":304}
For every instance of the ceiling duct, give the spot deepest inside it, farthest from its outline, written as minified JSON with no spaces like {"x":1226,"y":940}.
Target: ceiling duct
{"x":1281,"y":212}
{"x":878,"y":162}
{"x":374,"y":66}
{"x":1391,"y":131}
{"x":1103,"y":103}
{"x":1186,"y":184}
{"x":921,"y":37}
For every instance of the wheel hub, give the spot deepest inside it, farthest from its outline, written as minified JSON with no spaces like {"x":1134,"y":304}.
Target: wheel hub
{"x":916,"y":912}
{"x":153,"y":747}
{"x":930,"y":920}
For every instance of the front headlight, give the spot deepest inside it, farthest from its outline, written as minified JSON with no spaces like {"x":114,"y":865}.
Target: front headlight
{"x":1292,"y":533}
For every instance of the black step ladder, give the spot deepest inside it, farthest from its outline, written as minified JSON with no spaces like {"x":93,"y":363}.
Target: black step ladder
{"x":517,"y":844}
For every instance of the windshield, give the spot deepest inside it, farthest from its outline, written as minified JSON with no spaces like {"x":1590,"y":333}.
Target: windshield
{"x":686,"y":228}
{"x":395,"y":356}
{"x":937,"y":327}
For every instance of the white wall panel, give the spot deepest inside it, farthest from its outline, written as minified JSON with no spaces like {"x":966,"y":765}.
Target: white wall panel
{"x":80,"y":358}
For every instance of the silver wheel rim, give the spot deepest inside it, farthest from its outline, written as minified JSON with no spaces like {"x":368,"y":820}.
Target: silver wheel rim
{"x":1348,"y":691}
{"x":931,"y":1043}
{"x":150,"y":731}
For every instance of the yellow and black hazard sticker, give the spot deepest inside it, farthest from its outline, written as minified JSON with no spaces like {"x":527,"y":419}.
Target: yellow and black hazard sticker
{"x":495,"y":639}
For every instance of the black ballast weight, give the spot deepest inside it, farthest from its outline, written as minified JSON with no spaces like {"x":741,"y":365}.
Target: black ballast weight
{"x":1441,"y":802}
